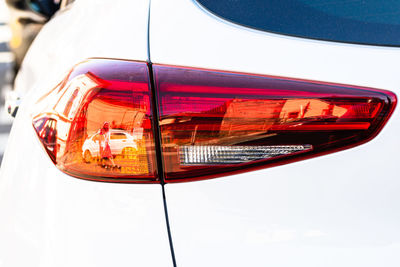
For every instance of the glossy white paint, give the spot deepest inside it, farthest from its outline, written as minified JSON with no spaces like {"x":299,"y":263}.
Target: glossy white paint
{"x":90,"y":28}
{"x":48,"y":218}
{"x":337,"y":210}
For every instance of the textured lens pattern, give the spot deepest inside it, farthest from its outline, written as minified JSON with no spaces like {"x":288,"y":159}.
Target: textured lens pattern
{"x":206,"y":155}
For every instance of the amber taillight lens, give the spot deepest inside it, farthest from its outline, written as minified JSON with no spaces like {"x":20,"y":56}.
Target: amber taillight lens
{"x":97,"y":123}
{"x":213,"y":122}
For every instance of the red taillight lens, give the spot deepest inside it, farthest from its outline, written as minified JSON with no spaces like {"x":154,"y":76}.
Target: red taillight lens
{"x":97,"y":123}
{"x":213,"y":122}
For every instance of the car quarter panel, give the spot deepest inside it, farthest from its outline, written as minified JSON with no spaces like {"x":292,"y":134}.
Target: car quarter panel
{"x":86,"y":29}
{"x":50,"y":218}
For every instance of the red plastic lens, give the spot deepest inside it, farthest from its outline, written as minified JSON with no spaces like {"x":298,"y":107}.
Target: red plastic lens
{"x":96,"y":124}
{"x":214,"y":122}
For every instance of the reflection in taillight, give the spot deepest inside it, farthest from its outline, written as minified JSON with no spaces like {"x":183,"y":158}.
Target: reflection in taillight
{"x":213,"y":123}
{"x":97,"y":123}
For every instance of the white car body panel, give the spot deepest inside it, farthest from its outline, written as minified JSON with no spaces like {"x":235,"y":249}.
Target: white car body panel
{"x":49,"y":218}
{"x":111,"y":29}
{"x":335,"y":210}
{"x":340,"y":209}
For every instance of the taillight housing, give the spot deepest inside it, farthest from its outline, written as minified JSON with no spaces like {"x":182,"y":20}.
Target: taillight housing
{"x":214,"y":122}
{"x":104,"y":122}
{"x":97,"y":123}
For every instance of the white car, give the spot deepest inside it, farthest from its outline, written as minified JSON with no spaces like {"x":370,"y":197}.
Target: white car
{"x":121,"y":143}
{"x":267,"y":135}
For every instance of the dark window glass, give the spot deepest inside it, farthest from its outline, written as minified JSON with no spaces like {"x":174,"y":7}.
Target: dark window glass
{"x":374,"y":22}
{"x":118,"y":136}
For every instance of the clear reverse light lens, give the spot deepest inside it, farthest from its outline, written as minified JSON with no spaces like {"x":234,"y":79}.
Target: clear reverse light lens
{"x":208,"y":155}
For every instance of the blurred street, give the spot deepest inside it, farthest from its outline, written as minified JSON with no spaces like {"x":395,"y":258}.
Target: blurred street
{"x":6,"y":65}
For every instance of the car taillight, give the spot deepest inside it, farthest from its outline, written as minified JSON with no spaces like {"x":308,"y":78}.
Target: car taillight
{"x":213,"y":122}
{"x":98,"y":123}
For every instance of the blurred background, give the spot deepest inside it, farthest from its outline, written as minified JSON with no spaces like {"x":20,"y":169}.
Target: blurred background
{"x":6,"y":74}
{"x":20,"y":22}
